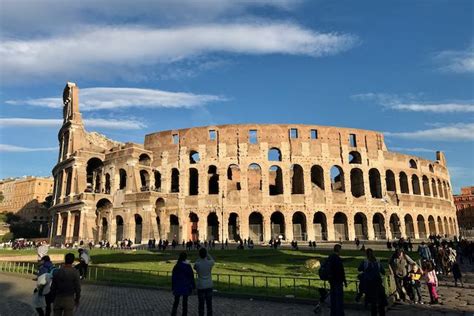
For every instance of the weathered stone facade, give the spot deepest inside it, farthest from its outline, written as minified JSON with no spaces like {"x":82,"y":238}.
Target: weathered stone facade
{"x":303,"y":182}
{"x":465,"y":208}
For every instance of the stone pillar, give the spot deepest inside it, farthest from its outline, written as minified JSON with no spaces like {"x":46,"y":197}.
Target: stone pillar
{"x":403,"y":229}
{"x":244,"y":226}
{"x":70,"y":227}
{"x":289,"y":228}
{"x":330,"y":226}
{"x":415,"y":229}
{"x":267,"y":229}
{"x":309,"y":227}
{"x":370,"y":228}
{"x":350,"y":227}
{"x":202,"y":227}
{"x":223,"y":226}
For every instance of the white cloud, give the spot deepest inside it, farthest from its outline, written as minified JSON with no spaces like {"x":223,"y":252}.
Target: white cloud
{"x":414,"y":149}
{"x":461,"y":61}
{"x":18,"y":149}
{"x":454,"y":132}
{"x":108,"y":51}
{"x":116,"y":98}
{"x":92,"y":123}
{"x":408,"y":103}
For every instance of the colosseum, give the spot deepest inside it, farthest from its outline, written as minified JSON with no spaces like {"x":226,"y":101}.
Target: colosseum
{"x":259,"y":181}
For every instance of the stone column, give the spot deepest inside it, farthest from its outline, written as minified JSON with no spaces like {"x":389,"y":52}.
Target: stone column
{"x":266,"y":228}
{"x":415,"y":229}
{"x":370,"y":227}
{"x":244,"y":226}
{"x":70,"y":227}
{"x":403,"y":229}
{"x":330,"y":226}
{"x":350,"y":227}
{"x":202,"y":227}
{"x":309,"y":226}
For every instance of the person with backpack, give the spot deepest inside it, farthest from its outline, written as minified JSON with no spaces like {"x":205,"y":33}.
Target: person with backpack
{"x":337,"y":278}
{"x":42,"y":296}
{"x":371,"y":283}
{"x":203,"y":267}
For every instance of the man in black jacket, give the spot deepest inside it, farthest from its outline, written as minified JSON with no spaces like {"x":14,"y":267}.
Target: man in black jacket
{"x":337,"y":277}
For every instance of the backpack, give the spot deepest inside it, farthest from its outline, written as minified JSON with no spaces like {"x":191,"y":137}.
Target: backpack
{"x":324,"y":273}
{"x":371,"y":271}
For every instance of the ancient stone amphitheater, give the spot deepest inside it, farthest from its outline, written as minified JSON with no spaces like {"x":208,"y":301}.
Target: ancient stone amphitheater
{"x":296,"y":182}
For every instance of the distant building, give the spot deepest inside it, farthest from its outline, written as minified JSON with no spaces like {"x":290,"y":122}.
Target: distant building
{"x":465,"y":208}
{"x":25,"y":198}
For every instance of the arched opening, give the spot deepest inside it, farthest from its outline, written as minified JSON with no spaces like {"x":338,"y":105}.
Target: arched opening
{"x":378,"y":222}
{"x":433,"y":188}
{"x":375,"y":183}
{"x":354,"y":157}
{"x":138,"y":229}
{"x":157,"y":181}
{"x":275,"y":180}
{"x":274,"y":154}
{"x":421,"y":227}
{"x":426,"y":186}
{"x":256,"y":226}
{"x":107,"y":183}
{"x":340,"y":227}
{"x":145,"y":180}
{"x":159,"y":205}
{"x":446,"y":227}
{"x":254,"y":178}
{"x":320,"y":226}
{"x":440,"y":226}
{"x":105,"y":229}
{"x":174,"y":180}
{"x":300,"y":232}
{"x":395,"y":226}
{"x":440,"y":189}
{"x":158,"y":225}
{"x":233,"y":178}
{"x":212,"y":227}
{"x":337,"y":179}
{"x":144,"y":159}
{"x":415,"y":183}
{"x":317,"y":177}
{"x":123,"y":179}
{"x":404,"y":183}
{"x":277,"y":221}
{"x":297,"y":179}
{"x":194,"y":230}
{"x":431,"y":168}
{"x":194,"y":157}
{"x":193,"y":181}
{"x":409,"y":227}
{"x":432,"y":225}
{"x":213,"y":178}
{"x":390,"y":181}
{"x":119,"y":231}
{"x":360,"y":226}
{"x":357,"y":182}
{"x":174,"y":228}
{"x":94,"y":174}
{"x":412,"y":164}
{"x":234,"y":227}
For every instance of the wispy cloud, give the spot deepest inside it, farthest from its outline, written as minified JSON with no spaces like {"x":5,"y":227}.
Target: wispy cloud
{"x":409,"y":103}
{"x":110,"y":50}
{"x":414,"y":149}
{"x":56,"y":123}
{"x":450,"y":132}
{"x":18,"y":149}
{"x":458,"y":61}
{"x":116,"y":98}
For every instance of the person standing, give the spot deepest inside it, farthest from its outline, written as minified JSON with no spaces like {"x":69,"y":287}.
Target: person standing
{"x":372,"y":283}
{"x":203,"y":267}
{"x":182,"y":283}
{"x":399,"y":264}
{"x":66,"y":288}
{"x":84,"y":260}
{"x":337,"y":278}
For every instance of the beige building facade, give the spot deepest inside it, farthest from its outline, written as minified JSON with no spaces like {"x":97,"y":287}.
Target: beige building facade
{"x":465,"y":208}
{"x":259,"y":181}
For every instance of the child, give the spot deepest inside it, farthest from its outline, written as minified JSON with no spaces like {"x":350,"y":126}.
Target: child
{"x":415,"y":275}
{"x":431,"y":282}
{"x":457,"y":274}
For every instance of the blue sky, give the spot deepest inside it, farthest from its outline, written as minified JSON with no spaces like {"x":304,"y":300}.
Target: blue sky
{"x":405,"y":68}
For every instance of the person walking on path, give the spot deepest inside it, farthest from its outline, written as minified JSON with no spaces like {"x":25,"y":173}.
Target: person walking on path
{"x":337,"y":278}
{"x":431,"y":282}
{"x":84,"y":260}
{"x":182,"y":283}
{"x":399,"y":263}
{"x":42,"y":297}
{"x":457,"y":275}
{"x":66,"y":288}
{"x":372,"y":283}
{"x":203,"y":267}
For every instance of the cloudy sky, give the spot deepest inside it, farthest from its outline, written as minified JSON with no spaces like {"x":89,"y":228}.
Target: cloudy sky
{"x":405,"y":68}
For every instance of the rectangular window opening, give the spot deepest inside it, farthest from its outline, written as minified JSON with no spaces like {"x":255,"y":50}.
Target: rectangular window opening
{"x":314,"y":134}
{"x":253,"y":136}
{"x":293,"y":133}
{"x":175,"y":138}
{"x":212,"y":134}
{"x":352,"y":140}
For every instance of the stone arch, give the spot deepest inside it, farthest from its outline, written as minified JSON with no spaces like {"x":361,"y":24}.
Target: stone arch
{"x":317,"y":177}
{"x":390,"y":181}
{"x":174,"y":227}
{"x":421,"y":227}
{"x":433,"y":188}
{"x":213,"y":180}
{"x":354,"y":157}
{"x":297,"y":179}
{"x":123,"y":179}
{"x":194,"y":227}
{"x":378,"y":222}
{"x":426,"y":186}
{"x":300,"y":231}
{"x":431,"y":225}
{"x":440,"y":226}
{"x":233,"y":178}
{"x":138,"y":229}
{"x":275,"y":180}
{"x":395,"y":226}
{"x":144,"y":159}
{"x":357,"y":182}
{"x":93,"y":175}
{"x":360,"y":226}
{"x":105,"y":228}
{"x":409,"y":227}
{"x":256,"y":226}
{"x":415,"y":184}
{"x":337,"y":179}
{"x":274,"y":154}
{"x":193,"y":181}
{"x":159,"y":205}
{"x":194,"y":157}
{"x":341,"y":231}
{"x":320,"y":226}
{"x":375,"y":183}
{"x":174,"y":180}
{"x":254,"y":177}
{"x":440,"y":189}
{"x":234,"y":226}
{"x":412,"y":164}
{"x":212,"y":226}
{"x":404,"y":183}
{"x":157,"y":175}
{"x":144,"y":180}
{"x":277,"y":222}
{"x":119,"y":228}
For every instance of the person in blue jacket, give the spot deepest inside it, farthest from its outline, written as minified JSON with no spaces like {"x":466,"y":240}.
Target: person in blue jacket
{"x":182,"y":283}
